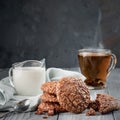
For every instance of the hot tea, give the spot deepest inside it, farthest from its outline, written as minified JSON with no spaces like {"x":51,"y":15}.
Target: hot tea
{"x":95,"y":64}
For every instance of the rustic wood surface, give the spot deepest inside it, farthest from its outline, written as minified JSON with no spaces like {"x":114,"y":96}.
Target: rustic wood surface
{"x":113,"y":88}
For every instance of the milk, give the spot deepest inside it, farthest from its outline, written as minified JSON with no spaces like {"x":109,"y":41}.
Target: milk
{"x":28,"y":80}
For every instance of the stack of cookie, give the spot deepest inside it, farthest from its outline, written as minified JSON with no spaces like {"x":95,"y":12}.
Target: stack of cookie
{"x":71,"y":94}
{"x":49,"y":102}
{"x":68,"y":94}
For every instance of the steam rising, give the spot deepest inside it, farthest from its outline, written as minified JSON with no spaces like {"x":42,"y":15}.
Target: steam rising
{"x":98,"y":32}
{"x":97,"y":37}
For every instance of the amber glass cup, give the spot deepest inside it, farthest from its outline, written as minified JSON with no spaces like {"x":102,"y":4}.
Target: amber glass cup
{"x":96,"y":65}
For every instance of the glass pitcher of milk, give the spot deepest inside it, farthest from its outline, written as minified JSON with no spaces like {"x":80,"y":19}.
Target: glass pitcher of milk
{"x":28,"y":76}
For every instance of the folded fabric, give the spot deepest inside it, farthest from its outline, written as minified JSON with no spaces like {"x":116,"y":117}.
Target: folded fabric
{"x":8,"y":96}
{"x":57,"y":73}
{"x":6,"y":91}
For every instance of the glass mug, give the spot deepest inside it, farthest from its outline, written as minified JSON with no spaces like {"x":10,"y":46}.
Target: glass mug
{"x":27,"y":77}
{"x":96,"y":65}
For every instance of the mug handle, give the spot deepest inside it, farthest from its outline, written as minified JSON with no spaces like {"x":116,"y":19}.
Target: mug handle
{"x":10,"y":76}
{"x":113,"y":63}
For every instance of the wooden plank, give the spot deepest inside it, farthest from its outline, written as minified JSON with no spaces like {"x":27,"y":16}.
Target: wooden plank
{"x":72,"y":116}
{"x":33,"y":116}
{"x":9,"y":116}
{"x":116,"y":115}
{"x":114,"y":83}
{"x":2,"y":114}
{"x":114,"y":89}
{"x":27,"y":116}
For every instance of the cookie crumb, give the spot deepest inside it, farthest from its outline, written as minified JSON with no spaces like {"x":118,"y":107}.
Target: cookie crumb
{"x":90,"y":112}
{"x":45,"y":117}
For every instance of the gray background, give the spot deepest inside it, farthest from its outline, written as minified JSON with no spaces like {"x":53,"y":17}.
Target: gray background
{"x":56,"y":29}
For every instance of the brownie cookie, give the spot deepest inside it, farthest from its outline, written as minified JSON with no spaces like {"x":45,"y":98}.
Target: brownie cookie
{"x":49,"y":87}
{"x":45,"y":97}
{"x":72,"y":94}
{"x":106,"y":103}
{"x":51,"y":108}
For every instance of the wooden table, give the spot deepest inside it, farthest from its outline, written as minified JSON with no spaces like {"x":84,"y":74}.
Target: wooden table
{"x":113,"y":88}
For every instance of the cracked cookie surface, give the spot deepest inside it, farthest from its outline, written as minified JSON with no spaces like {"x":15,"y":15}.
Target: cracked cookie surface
{"x":72,"y":94}
{"x":49,"y":87}
{"x":45,"y":97}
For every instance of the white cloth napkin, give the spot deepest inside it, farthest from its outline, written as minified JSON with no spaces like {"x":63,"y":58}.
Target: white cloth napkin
{"x":8,"y":97}
{"x":57,"y":73}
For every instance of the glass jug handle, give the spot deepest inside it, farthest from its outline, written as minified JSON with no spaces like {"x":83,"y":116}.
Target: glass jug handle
{"x":43,"y":62}
{"x":10,"y":76}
